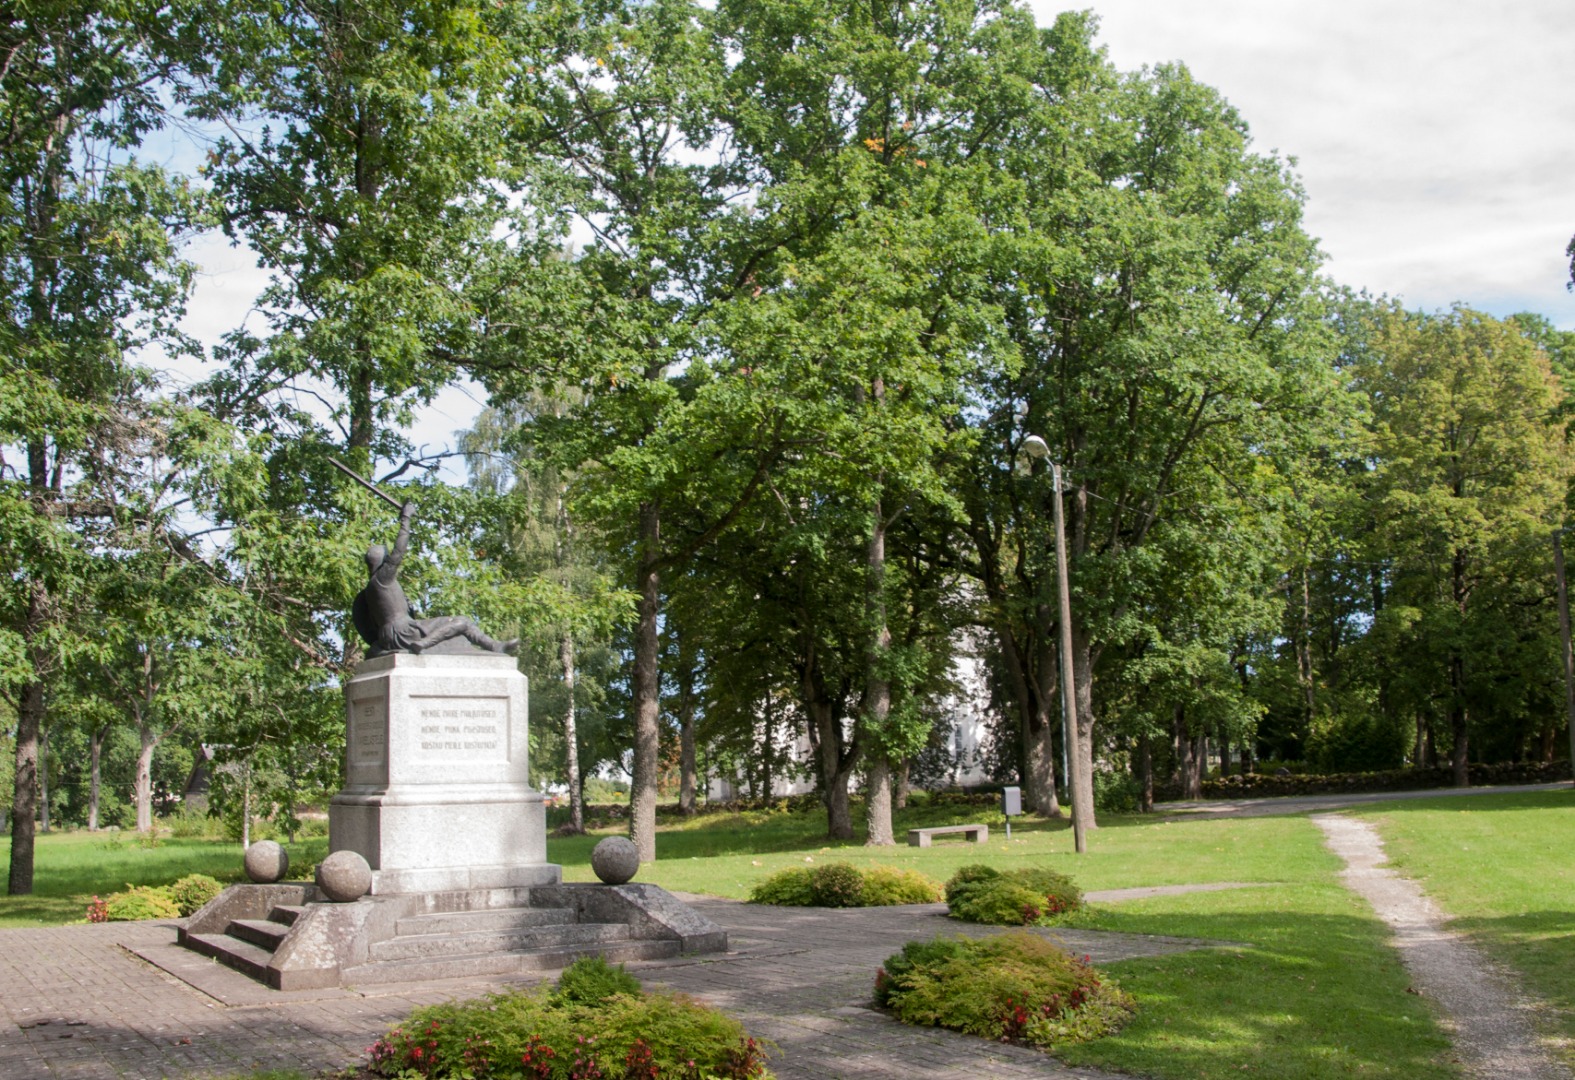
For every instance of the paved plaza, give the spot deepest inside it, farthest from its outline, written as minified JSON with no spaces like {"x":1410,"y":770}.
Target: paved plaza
{"x":80,"y":1002}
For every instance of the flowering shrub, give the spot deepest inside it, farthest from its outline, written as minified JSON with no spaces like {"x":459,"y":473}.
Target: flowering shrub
{"x":840,"y":884}
{"x":582,"y":1029}
{"x":1025,"y":897}
{"x":1014,"y":987}
{"x":98,"y":911}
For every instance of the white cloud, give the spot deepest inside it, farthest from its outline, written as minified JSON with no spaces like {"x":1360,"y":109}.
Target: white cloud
{"x":1435,"y":137}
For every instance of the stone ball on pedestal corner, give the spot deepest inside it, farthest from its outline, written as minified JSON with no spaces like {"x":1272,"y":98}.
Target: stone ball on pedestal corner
{"x":344,"y":876}
{"x":615,"y":860}
{"x":266,"y":862}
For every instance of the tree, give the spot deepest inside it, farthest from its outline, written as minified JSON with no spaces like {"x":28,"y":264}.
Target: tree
{"x":1162,"y":296}
{"x":88,"y":258}
{"x":1472,"y":471}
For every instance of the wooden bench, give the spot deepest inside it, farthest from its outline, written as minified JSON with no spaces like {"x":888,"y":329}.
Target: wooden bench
{"x":978,"y":834}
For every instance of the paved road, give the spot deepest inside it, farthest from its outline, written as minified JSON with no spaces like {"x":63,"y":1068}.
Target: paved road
{"x":76,"y":1002}
{"x":1297,"y":804}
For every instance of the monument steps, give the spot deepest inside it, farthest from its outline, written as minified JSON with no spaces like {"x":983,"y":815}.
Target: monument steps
{"x":498,"y":919}
{"x":265,"y":933}
{"x":233,"y":952}
{"x":405,"y":947}
{"x":421,"y":969}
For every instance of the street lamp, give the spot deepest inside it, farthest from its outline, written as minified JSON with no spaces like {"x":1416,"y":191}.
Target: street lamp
{"x":1076,"y":782}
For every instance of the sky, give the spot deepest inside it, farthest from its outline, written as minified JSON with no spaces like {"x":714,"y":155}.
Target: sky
{"x":1435,"y":139}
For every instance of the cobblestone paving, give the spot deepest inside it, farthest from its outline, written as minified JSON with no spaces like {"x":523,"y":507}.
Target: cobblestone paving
{"x":75,"y":1002}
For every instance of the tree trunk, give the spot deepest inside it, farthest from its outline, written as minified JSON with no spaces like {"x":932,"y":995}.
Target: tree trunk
{"x":904,"y":786}
{"x":571,"y":739}
{"x":877,"y":687}
{"x":1083,"y":687}
{"x":43,"y":780}
{"x":768,"y":746}
{"x":1458,"y":721}
{"x":1304,"y":666}
{"x":877,"y":806}
{"x":646,"y":688}
{"x":1146,"y":774}
{"x":95,"y":755}
{"x":1036,"y":718}
{"x":24,"y":799}
{"x":686,"y":735}
{"x":1187,"y":758}
{"x":144,"y":783}
{"x":1457,"y":676}
{"x":1224,"y":754}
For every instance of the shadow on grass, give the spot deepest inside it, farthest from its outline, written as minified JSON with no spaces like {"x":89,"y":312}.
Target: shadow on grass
{"x":771,"y":832}
{"x":1318,"y":995}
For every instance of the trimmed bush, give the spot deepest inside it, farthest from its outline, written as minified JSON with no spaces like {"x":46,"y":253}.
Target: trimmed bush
{"x":1025,"y":897}
{"x":840,"y":884}
{"x":785,"y":888}
{"x":193,"y":891}
{"x":837,"y":884}
{"x":543,"y":1034}
{"x":1014,"y":987}
{"x":887,"y":885}
{"x":141,"y":902}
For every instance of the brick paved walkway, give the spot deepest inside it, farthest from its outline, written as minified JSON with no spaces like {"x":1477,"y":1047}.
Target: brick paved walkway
{"x":77,"y":1002}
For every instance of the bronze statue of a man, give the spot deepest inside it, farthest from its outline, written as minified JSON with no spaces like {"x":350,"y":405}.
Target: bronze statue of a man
{"x":383,"y":616}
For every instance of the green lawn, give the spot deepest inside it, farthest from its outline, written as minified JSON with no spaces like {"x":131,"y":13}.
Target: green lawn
{"x":70,"y":867}
{"x":1503,"y":866}
{"x":1319,"y":993}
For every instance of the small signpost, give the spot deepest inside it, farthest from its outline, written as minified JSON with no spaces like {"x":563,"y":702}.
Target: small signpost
{"x":1011,"y":806}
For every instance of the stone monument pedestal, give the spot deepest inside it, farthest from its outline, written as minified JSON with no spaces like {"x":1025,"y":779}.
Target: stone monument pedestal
{"x":437,"y":794}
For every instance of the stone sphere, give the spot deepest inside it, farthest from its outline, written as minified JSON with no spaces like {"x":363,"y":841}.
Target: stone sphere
{"x":615,"y":860}
{"x":344,"y":876}
{"x":266,"y":862}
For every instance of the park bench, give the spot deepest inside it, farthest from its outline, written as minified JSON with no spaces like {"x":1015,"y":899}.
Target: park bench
{"x":978,"y":834}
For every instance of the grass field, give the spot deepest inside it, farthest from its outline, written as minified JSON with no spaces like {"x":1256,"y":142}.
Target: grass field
{"x":70,"y":867}
{"x":1312,"y":988}
{"x":1503,"y":866}
{"x":1316,"y":993}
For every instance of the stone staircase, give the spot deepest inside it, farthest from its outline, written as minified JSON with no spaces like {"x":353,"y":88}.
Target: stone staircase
{"x":287,"y":938}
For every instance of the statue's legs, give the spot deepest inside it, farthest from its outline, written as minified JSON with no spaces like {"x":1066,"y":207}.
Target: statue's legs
{"x":446,"y":627}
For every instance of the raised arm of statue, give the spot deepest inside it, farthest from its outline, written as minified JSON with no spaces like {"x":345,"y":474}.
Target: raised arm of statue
{"x":401,"y":542}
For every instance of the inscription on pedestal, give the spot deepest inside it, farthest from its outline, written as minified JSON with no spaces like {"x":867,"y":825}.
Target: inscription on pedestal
{"x":461,"y":729}
{"x":367,"y":733}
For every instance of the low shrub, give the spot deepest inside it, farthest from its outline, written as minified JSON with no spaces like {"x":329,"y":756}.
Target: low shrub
{"x":591,"y":980}
{"x":785,"y":888}
{"x":1024,"y":897}
{"x":141,"y":902}
{"x":1014,"y":987}
{"x":836,"y":884}
{"x":887,"y":885}
{"x":193,"y":891}
{"x":555,"y":1034}
{"x":840,"y":884}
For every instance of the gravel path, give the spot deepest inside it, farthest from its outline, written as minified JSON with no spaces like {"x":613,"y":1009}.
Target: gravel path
{"x":1487,"y":1016}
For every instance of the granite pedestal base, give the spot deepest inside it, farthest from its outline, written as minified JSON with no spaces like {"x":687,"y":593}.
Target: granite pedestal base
{"x":437,"y":795}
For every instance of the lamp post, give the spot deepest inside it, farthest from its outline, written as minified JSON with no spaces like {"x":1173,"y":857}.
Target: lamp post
{"x":1076,"y":782}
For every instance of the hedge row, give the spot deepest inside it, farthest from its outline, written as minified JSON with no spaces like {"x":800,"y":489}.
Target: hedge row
{"x":1267,"y":785}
